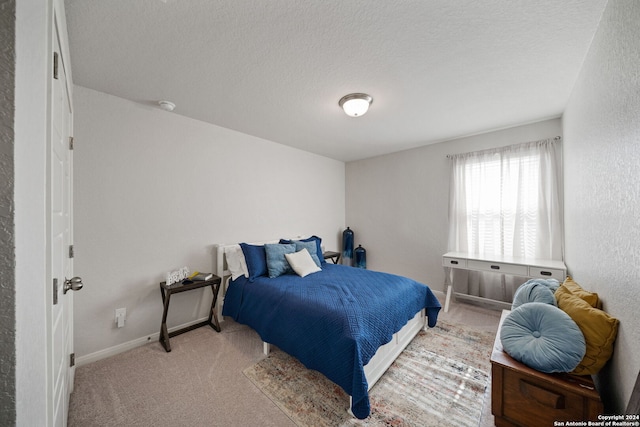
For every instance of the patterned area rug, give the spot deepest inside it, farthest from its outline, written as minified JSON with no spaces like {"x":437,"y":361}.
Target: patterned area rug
{"x":439,"y":380}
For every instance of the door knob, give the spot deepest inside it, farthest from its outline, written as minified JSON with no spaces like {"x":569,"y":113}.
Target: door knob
{"x":74,"y":284}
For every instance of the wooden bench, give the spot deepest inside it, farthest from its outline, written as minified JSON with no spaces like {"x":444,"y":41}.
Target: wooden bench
{"x":522,"y":396}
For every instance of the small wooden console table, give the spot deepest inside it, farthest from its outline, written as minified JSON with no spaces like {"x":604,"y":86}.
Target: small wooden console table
{"x":523,"y":267}
{"x":175,"y":288}
{"x":333,"y":256}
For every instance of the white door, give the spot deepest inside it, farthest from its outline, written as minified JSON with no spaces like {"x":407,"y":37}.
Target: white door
{"x":60,"y":330}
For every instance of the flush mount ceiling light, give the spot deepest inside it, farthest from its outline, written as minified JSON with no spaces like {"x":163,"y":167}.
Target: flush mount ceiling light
{"x":167,"y":105}
{"x":355,"y":104}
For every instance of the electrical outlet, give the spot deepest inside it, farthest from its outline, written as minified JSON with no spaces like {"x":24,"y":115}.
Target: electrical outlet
{"x":121,"y":314}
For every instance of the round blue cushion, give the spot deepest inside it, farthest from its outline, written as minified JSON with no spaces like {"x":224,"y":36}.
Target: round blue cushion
{"x":533,"y":291}
{"x":552,"y":284}
{"x":543,"y":337}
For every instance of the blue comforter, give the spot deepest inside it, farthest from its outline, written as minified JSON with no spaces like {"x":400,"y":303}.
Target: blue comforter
{"x":332,"y":321}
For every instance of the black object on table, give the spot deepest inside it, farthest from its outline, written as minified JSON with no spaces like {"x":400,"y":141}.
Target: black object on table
{"x":175,"y":288}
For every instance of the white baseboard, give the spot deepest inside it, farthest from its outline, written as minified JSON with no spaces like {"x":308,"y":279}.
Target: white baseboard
{"x":120,"y":348}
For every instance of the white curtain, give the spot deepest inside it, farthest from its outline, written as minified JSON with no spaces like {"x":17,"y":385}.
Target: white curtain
{"x":505,"y":201}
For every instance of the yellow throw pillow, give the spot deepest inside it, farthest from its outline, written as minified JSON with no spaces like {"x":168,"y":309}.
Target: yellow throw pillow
{"x":590,"y":297}
{"x":599,"y":330}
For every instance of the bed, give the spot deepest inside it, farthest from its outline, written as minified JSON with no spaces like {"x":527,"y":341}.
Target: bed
{"x":347,"y":323}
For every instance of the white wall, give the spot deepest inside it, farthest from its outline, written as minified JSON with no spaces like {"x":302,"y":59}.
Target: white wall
{"x":398,"y":204}
{"x":155,"y":190}
{"x":602,"y":186}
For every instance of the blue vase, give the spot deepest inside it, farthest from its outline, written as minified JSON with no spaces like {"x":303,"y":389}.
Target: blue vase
{"x":361,"y":257}
{"x":347,"y":247}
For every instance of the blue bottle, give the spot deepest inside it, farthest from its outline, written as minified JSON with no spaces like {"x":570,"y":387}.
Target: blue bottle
{"x":361,"y":257}
{"x":347,"y":247}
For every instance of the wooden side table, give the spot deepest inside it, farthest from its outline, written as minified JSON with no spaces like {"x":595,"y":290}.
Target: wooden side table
{"x":175,"y":288}
{"x":333,"y":256}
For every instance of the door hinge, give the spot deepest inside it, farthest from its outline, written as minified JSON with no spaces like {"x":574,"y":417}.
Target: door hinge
{"x":55,"y":65}
{"x":70,"y":143}
{"x":55,"y":291}
{"x":71,"y":252}
{"x":72,"y":360}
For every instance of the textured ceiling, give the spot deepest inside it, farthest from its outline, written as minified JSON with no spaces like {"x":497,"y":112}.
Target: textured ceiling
{"x":275,"y":69}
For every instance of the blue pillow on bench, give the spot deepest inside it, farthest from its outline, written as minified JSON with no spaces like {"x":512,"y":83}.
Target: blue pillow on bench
{"x":543,"y":337}
{"x":533,"y":291}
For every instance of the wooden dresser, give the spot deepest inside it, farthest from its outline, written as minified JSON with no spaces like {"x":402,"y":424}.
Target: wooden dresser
{"x":522,"y":396}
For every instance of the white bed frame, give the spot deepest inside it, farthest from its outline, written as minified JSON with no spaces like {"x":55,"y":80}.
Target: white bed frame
{"x":379,"y":363}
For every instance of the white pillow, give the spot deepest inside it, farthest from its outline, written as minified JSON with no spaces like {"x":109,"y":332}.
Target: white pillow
{"x":235,"y":262}
{"x":302,"y":263}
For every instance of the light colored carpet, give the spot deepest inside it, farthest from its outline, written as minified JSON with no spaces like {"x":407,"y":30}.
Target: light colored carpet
{"x":200,"y":382}
{"x":439,"y":380}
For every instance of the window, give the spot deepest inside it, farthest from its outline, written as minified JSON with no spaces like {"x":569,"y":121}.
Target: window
{"x":505,"y":201}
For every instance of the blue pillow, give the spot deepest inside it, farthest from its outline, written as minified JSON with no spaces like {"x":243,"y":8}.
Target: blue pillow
{"x":277,"y":264}
{"x":552,"y":284}
{"x":543,"y":337}
{"x":311,"y":247}
{"x":318,"y":242}
{"x":533,"y":291}
{"x":256,"y":260}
